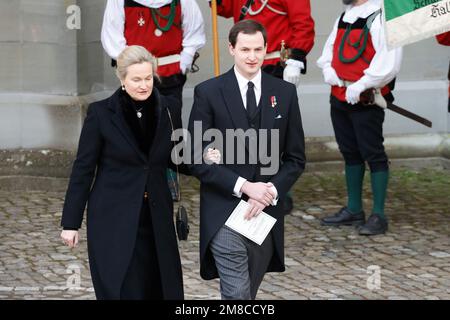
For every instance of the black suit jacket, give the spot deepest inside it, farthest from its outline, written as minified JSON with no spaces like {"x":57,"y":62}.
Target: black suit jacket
{"x":218,"y":104}
{"x":109,"y":153}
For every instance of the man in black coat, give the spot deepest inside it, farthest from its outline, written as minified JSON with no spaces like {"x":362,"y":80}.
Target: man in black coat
{"x":245,"y":99}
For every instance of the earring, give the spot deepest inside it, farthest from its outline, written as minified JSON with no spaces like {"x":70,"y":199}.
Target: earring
{"x":123,"y":87}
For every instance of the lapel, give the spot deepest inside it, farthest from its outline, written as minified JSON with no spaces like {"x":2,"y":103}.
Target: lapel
{"x":267,"y":112}
{"x":159,"y":109}
{"x":233,"y":100}
{"x":119,"y":121}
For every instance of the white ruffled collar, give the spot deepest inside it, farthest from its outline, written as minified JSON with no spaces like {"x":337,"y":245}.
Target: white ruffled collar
{"x":353,"y":13}
{"x":153,"y":3}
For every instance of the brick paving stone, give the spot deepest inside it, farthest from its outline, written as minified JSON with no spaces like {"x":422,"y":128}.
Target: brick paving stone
{"x":321,"y":262}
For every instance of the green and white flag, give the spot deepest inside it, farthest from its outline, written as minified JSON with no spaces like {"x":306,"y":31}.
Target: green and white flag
{"x":408,"y":21}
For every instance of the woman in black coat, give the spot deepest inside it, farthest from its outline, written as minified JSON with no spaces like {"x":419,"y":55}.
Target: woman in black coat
{"x":125,"y":144}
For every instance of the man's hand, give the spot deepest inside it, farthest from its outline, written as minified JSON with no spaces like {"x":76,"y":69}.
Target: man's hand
{"x":186,"y":60}
{"x":254,"y":209}
{"x":330,"y":77}
{"x":292,"y":71}
{"x":353,"y":92}
{"x":70,"y":238}
{"x":212,"y":156}
{"x":259,"y":191}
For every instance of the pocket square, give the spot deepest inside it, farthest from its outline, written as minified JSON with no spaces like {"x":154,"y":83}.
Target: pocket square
{"x":278,"y":116}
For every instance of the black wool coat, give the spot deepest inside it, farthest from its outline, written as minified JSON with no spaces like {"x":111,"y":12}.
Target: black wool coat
{"x":110,"y":174}
{"x":218,"y":104}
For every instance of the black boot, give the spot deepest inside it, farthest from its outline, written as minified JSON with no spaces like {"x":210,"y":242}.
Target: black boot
{"x":374,"y":225}
{"x":344,"y":218}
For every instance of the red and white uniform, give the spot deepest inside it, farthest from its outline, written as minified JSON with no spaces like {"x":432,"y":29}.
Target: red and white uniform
{"x":128,"y":22}
{"x":444,"y":38}
{"x":288,"y":20}
{"x":376,"y":67}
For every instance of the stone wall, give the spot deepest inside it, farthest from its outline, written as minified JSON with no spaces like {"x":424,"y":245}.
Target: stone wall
{"x":49,"y":74}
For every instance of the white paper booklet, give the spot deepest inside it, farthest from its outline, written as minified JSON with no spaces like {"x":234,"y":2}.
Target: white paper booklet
{"x":255,"y":229}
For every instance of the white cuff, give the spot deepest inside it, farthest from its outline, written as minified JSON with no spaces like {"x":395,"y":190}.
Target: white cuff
{"x":365,"y":82}
{"x":238,"y":186}
{"x":186,"y":60}
{"x":189,"y":50}
{"x":296,"y":63}
{"x":275,"y":201}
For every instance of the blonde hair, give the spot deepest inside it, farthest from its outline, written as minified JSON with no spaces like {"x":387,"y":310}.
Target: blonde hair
{"x":133,"y":55}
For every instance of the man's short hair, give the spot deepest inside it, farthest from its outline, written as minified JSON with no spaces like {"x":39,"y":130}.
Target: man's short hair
{"x":246,"y":27}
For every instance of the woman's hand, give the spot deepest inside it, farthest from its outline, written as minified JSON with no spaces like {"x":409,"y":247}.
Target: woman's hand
{"x":70,"y":238}
{"x":212,"y":156}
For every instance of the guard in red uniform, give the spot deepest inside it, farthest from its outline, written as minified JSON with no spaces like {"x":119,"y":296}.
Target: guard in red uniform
{"x":172,"y":30}
{"x":290,"y":37}
{"x":355,"y":58}
{"x":290,"y":32}
{"x":444,"y":39}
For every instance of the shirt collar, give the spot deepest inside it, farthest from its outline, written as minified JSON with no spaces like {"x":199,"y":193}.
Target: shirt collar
{"x":154,"y":3}
{"x":243,"y":82}
{"x":353,"y":13}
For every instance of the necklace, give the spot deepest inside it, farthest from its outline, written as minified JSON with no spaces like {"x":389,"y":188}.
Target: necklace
{"x":139,"y":113}
{"x":156,"y":14}
{"x":361,"y":44}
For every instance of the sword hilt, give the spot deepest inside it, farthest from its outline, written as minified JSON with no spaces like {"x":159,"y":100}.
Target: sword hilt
{"x":372,"y":97}
{"x":367,"y":97}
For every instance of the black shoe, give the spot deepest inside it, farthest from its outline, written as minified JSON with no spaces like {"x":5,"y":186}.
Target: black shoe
{"x":288,"y":204}
{"x":344,"y":218}
{"x":374,"y":225}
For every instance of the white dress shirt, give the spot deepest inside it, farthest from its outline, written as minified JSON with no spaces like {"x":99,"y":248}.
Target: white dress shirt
{"x":243,"y":87}
{"x":385,"y":64}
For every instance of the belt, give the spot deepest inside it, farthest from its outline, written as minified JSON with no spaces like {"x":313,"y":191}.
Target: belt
{"x":378,"y":98}
{"x":347,"y":83}
{"x":162,"y":61}
{"x":273,"y":55}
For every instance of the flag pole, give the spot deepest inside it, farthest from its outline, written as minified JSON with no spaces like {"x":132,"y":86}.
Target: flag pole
{"x":215,"y":37}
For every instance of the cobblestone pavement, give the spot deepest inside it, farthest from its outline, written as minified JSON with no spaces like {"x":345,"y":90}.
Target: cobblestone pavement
{"x":412,"y":260}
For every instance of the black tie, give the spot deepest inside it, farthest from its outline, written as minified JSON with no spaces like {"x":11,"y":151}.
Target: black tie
{"x":251,"y":100}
